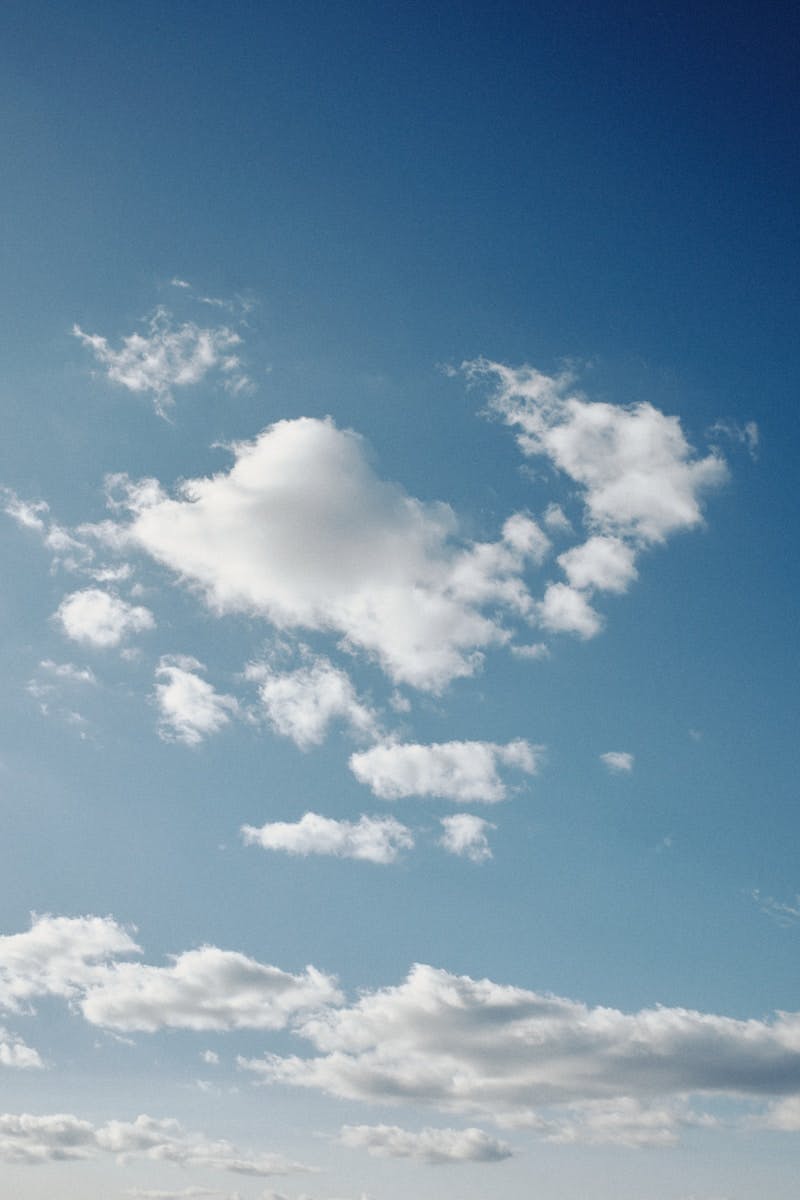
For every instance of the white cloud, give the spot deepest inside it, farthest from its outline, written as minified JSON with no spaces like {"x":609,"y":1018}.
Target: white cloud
{"x":302,"y":532}
{"x":433,"y":1146}
{"x":101,"y":619}
{"x":211,"y":1057}
{"x":529,"y":1059}
{"x":565,"y":610}
{"x":373,"y":839}
{"x":16,"y":1053}
{"x":462,"y":771}
{"x":207,"y":988}
{"x":533,"y":651}
{"x":302,"y":704}
{"x":604,"y":563}
{"x":465,"y":835}
{"x":639,"y":475}
{"x":62,"y":1137}
{"x":190,"y":708}
{"x":556,"y":519}
{"x":618,"y":761}
{"x":167,"y":357}
{"x":68,"y":672}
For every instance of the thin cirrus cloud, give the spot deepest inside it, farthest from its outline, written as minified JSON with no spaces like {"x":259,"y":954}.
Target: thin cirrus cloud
{"x":302,"y":704}
{"x":101,"y":619}
{"x":434,"y":1146}
{"x":302,"y":532}
{"x":464,"y":834}
{"x":28,"y":1139}
{"x":460,"y":771}
{"x":190,"y":709}
{"x":202,"y":989}
{"x":370,"y":839}
{"x":167,"y":356}
{"x":564,"y":1070}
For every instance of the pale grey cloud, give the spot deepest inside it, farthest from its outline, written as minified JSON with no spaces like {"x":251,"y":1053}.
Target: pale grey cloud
{"x":465,"y":835}
{"x":435,"y":1146}
{"x":190,"y":708}
{"x":462,"y":771}
{"x":101,"y":619}
{"x":371,"y":839}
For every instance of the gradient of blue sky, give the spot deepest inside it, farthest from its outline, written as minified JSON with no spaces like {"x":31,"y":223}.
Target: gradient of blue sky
{"x":377,"y":194}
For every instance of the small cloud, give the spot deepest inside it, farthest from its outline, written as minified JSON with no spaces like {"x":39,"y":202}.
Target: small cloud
{"x":535,"y":651}
{"x":465,"y":835}
{"x":618,"y":761}
{"x":371,"y":839}
{"x":179,"y":283}
{"x":746,"y":435}
{"x":211,"y":1057}
{"x":101,"y":619}
{"x":556,"y":519}
{"x":783,"y":912}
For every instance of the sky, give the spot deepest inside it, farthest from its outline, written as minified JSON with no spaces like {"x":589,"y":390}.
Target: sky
{"x":398,"y":517}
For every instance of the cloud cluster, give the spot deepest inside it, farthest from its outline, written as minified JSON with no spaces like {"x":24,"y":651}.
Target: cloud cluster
{"x":372,"y":839}
{"x":29,"y":1139}
{"x":203,"y":989}
{"x":463,"y":771}
{"x":639,"y":478}
{"x":190,"y":708}
{"x":435,"y":1146}
{"x":302,"y":704}
{"x":302,"y":532}
{"x":522,"y":1058}
{"x":167,"y":357}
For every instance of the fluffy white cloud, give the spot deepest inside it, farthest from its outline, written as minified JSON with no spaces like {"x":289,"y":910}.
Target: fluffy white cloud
{"x":62,"y":1137}
{"x":302,"y":532}
{"x":462,"y":771}
{"x":16,"y":1053}
{"x":465,"y":835}
{"x":101,"y":619}
{"x":530,"y":1059}
{"x":302,"y":704}
{"x":434,"y":1146}
{"x":565,"y":610}
{"x":618,"y":761}
{"x":166,"y":357}
{"x":604,"y":563}
{"x":639,"y":475}
{"x":190,"y":708}
{"x":207,"y":988}
{"x":373,"y":839}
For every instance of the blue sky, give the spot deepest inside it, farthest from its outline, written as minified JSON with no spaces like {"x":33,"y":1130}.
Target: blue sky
{"x":400,"y":559}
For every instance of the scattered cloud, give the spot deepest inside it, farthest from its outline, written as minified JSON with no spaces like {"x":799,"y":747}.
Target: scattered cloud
{"x":533,"y":651}
{"x":62,"y":1137}
{"x":618,"y":761}
{"x":465,"y":835}
{"x":302,"y":704}
{"x":566,"y":610}
{"x":462,"y":771}
{"x":372,"y":839}
{"x":603,"y":563}
{"x":101,"y":619}
{"x":203,"y":989}
{"x":784,"y":912}
{"x":535,"y":1060}
{"x":747,"y":435}
{"x":302,"y":532}
{"x":435,"y":1146}
{"x":190,"y":709}
{"x":68,"y":672}
{"x":16,"y":1053}
{"x":556,"y":519}
{"x":167,"y":356}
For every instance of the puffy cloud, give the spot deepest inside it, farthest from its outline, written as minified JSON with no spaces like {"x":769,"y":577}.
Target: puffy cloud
{"x":62,"y":1137}
{"x":16,"y":1053}
{"x":373,"y":839}
{"x":302,"y":704}
{"x":604,"y":563}
{"x":639,"y":475}
{"x":190,"y":708}
{"x":470,"y":1046}
{"x":207,"y":988}
{"x":462,"y":771}
{"x":302,"y":532}
{"x":618,"y":761}
{"x":203,"y":989}
{"x":465,"y":835}
{"x":565,"y":610}
{"x":167,"y":357}
{"x":434,"y":1146}
{"x":101,"y":619}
